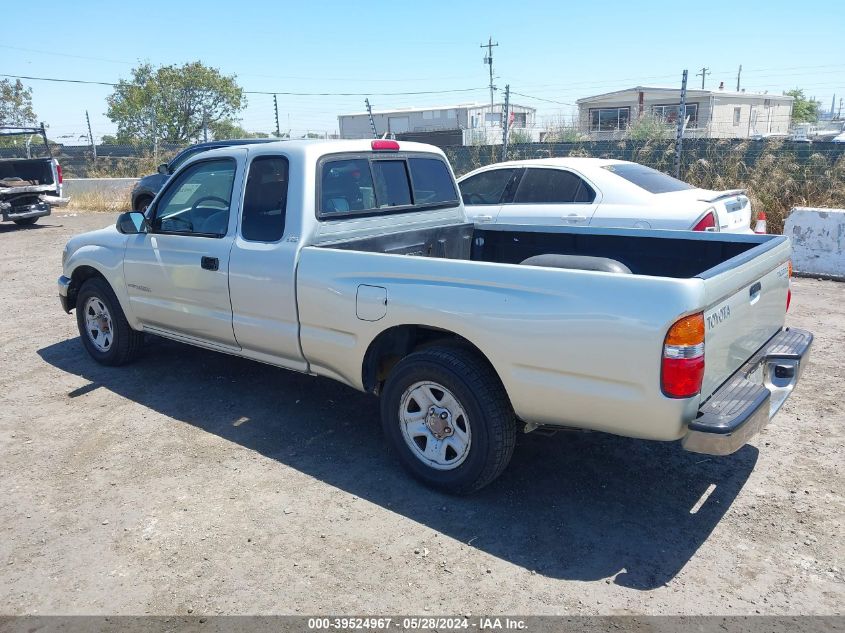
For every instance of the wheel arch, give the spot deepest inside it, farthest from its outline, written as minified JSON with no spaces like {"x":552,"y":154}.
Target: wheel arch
{"x":395,"y":343}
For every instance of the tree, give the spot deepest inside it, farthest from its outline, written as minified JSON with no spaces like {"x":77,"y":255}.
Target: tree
{"x":804,"y":110}
{"x":229,"y":128}
{"x":171,"y":104}
{"x":16,"y":104}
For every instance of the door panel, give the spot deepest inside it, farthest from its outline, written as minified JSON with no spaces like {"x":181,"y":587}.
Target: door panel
{"x":548,"y":196}
{"x":262,"y":269}
{"x":170,"y":290}
{"x":177,"y":276}
{"x":483,"y":193}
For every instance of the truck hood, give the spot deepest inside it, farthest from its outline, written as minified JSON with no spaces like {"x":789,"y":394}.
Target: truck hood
{"x":108,"y":237}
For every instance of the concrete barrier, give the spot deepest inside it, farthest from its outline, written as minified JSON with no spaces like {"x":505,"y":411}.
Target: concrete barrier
{"x":76,"y":186}
{"x":818,"y":241}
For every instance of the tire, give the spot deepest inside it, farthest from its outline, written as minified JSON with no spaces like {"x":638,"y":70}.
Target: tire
{"x":142,"y":202}
{"x":26,"y":221}
{"x":115,"y":342}
{"x":479,"y":419}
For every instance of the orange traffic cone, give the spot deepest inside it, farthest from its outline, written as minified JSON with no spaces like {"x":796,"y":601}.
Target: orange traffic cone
{"x":760,"y":227}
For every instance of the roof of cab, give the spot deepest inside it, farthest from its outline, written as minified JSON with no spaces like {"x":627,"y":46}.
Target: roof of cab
{"x":314,"y":149}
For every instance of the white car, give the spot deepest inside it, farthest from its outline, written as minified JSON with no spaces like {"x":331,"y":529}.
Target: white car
{"x":598,"y":192}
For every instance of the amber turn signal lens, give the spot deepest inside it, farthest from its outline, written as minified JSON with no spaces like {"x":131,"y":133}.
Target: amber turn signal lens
{"x":687,"y":331}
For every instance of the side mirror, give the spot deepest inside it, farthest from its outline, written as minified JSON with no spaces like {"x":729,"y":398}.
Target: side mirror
{"x":132,"y":223}
{"x":163,"y":169}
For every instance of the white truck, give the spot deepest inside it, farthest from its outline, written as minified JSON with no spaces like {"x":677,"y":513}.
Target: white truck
{"x":354,"y":260}
{"x":29,"y":187}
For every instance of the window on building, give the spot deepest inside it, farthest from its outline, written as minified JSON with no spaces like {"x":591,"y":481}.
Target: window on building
{"x":519,"y":119}
{"x":737,"y":115}
{"x":451,"y":114}
{"x":427,"y":114}
{"x":669,"y":113}
{"x":493,"y":118}
{"x":609,"y":119}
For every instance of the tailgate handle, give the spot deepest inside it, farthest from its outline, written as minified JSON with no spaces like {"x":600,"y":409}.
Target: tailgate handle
{"x":754,"y":291}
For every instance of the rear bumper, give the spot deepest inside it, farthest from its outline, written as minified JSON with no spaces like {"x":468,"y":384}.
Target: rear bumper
{"x":741,"y":407}
{"x":38,"y":210}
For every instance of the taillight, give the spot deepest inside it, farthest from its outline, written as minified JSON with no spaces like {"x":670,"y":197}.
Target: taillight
{"x":383,"y":144}
{"x":59,"y":173}
{"x":707,"y":223}
{"x":682,"y":368}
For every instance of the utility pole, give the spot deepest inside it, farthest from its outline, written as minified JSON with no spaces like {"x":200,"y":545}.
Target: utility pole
{"x":506,"y":122}
{"x":738,"y":75}
{"x":488,"y":59}
{"x":276,"y":108}
{"x":682,"y":118}
{"x":704,"y":72}
{"x":370,"y":114}
{"x":91,"y":136}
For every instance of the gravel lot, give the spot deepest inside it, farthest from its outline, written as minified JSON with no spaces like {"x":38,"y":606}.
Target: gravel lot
{"x":194,"y":482}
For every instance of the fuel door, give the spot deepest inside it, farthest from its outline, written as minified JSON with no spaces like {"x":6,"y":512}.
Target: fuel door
{"x":371,"y":302}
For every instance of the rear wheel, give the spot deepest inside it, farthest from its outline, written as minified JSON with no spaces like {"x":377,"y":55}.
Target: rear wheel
{"x":26,"y":221}
{"x":445,"y":413}
{"x":103,"y":327}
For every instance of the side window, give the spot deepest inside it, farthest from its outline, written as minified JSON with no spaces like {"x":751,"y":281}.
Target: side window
{"x":486,"y":187}
{"x":265,"y":199}
{"x":392,"y":186}
{"x":347,"y":185}
{"x":198,"y":200}
{"x":552,"y":186}
{"x":432,"y":181}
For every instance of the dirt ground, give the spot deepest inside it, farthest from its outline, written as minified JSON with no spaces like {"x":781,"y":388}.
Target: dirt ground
{"x":194,"y":482}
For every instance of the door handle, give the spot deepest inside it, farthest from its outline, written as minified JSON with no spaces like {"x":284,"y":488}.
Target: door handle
{"x":574,"y":218}
{"x":484,"y":218}
{"x":210,"y":263}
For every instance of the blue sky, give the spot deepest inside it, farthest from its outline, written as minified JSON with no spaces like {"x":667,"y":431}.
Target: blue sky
{"x":558,"y":51}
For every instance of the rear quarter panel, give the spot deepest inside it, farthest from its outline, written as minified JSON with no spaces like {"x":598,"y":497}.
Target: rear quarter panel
{"x":573,"y":348}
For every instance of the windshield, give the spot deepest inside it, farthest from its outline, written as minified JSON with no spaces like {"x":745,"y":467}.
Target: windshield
{"x":647,"y":178}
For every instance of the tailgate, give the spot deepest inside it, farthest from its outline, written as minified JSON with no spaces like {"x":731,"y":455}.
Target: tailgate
{"x":746,"y":306}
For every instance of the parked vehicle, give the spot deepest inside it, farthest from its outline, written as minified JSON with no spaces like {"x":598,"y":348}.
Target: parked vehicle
{"x":598,"y":192}
{"x":29,"y":187}
{"x":147,"y":187}
{"x":354,"y":260}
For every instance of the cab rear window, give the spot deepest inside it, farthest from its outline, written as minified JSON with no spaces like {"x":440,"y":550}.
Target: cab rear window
{"x":647,"y":178}
{"x":372,"y":185}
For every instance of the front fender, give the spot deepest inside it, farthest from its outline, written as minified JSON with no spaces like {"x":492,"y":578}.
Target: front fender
{"x":107,"y":261}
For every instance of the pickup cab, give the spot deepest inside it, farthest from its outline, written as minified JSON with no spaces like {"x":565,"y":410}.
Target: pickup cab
{"x":354,"y":260}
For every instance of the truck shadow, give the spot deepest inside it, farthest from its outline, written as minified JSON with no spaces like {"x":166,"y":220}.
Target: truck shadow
{"x":573,"y":506}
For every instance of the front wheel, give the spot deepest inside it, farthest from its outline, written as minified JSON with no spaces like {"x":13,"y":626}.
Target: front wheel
{"x":103,"y":328}
{"x":445,"y":413}
{"x":26,"y":221}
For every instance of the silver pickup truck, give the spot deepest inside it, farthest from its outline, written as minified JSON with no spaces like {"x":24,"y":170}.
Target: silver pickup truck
{"x":353,"y":260}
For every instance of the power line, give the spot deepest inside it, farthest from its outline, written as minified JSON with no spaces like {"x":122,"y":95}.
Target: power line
{"x":514,"y":92}
{"x":269,"y":92}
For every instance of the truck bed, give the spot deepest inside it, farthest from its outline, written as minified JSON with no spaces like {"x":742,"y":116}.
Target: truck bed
{"x":552,"y":334}
{"x":675,"y":254}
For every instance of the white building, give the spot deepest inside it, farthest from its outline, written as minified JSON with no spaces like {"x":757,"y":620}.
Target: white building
{"x":467,"y":116}
{"x":710,"y":113}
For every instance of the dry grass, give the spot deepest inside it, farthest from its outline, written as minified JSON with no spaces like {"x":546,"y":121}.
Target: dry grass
{"x":103,"y":201}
